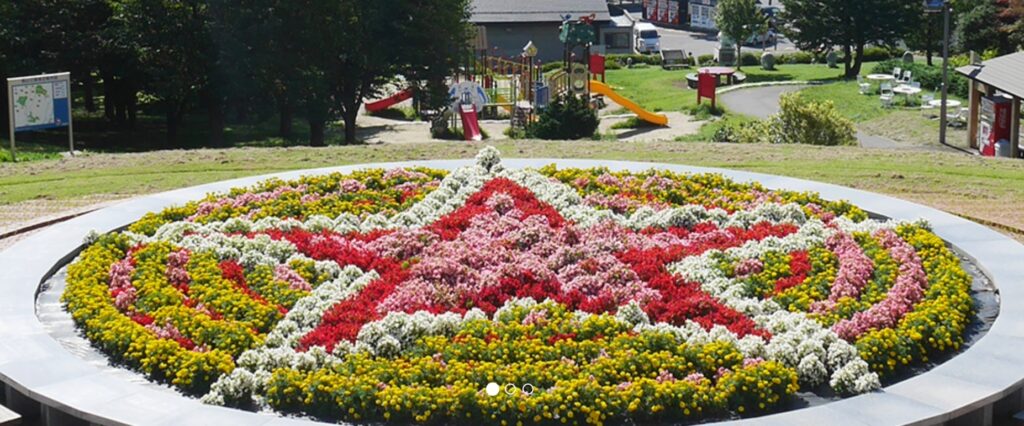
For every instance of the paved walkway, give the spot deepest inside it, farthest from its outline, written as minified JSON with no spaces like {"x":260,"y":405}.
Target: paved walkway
{"x":762,"y":102}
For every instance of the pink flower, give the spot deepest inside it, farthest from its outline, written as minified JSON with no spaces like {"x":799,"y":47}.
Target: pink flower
{"x":748,"y":267}
{"x":294,"y":280}
{"x":401,"y":173}
{"x":855,"y":268}
{"x":351,"y":185}
{"x":695,"y":378}
{"x":608,"y":179}
{"x":120,"y":284}
{"x":665,"y":376}
{"x":748,"y":362}
{"x":907,"y":291}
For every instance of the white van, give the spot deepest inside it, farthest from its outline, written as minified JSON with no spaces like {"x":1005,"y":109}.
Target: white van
{"x":646,"y":38}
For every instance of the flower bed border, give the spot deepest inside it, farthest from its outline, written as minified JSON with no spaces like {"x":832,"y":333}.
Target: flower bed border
{"x":35,"y":367}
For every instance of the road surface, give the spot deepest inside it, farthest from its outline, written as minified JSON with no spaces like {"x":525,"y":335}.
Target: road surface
{"x":700,"y":43}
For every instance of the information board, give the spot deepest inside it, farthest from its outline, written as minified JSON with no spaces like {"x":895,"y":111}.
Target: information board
{"x":40,"y":102}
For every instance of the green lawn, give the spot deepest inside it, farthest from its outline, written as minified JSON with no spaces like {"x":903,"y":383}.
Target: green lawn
{"x":658,"y":90}
{"x":31,"y":151}
{"x":982,"y":188}
{"x":93,"y":133}
{"x":855,"y":106}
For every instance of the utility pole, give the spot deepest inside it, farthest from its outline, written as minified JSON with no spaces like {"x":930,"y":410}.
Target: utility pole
{"x":945,"y":72}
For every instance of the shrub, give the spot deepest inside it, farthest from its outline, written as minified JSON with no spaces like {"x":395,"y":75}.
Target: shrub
{"x":808,"y":122}
{"x":551,"y":66}
{"x":403,"y":113}
{"x":750,"y":59}
{"x":930,"y":77}
{"x":567,"y":117}
{"x":622,"y":60}
{"x":757,"y":131}
{"x":876,"y":53}
{"x":706,"y":59}
{"x":455,"y":134}
{"x":795,"y":58}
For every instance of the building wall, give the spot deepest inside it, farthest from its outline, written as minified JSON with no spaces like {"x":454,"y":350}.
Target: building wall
{"x":702,"y":14}
{"x":509,"y":38}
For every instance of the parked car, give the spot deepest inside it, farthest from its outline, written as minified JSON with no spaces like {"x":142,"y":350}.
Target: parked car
{"x":764,"y":39}
{"x":646,"y":38}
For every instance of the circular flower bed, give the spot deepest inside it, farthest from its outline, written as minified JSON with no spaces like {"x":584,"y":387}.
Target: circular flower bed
{"x":398,"y":295}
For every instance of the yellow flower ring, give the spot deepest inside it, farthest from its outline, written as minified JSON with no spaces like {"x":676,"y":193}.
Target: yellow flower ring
{"x":398,"y":292}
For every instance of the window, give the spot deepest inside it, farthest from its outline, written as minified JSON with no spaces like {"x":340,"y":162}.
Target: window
{"x":616,"y":40}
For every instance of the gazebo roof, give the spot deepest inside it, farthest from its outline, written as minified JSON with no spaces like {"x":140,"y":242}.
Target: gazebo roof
{"x":1004,"y":73}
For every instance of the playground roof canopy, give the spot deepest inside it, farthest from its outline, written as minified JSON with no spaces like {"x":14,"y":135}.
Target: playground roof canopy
{"x":513,"y":11}
{"x":1003,"y":73}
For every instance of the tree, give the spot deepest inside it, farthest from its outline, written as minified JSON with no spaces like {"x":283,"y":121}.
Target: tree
{"x":927,"y":35}
{"x":171,"y":40}
{"x":367,"y":46}
{"x":820,"y":25}
{"x":740,"y":20}
{"x":1011,"y":24}
{"x":977,"y":30}
{"x":255,"y":51}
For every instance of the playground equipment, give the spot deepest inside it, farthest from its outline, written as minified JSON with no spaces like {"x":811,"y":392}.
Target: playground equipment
{"x":650,"y":117}
{"x":390,"y":101}
{"x":583,"y":79}
{"x":470,"y":124}
{"x":468,"y":99}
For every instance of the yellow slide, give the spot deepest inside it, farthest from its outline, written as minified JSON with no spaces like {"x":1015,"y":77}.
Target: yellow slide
{"x":643,"y":114}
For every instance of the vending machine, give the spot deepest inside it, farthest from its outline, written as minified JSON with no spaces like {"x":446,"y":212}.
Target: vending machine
{"x":994,"y":123}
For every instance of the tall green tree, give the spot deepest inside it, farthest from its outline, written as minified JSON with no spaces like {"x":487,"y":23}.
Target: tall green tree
{"x":976,"y":28}
{"x":740,"y":20}
{"x":927,"y":35}
{"x":353,"y":48}
{"x":1011,"y":24}
{"x":820,"y":25}
{"x":172,"y":42}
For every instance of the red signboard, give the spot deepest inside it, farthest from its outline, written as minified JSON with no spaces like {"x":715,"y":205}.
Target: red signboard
{"x":597,"y":65}
{"x":706,"y":84}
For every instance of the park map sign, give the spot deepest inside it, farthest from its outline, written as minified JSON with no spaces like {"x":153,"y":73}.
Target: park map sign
{"x":40,"y":102}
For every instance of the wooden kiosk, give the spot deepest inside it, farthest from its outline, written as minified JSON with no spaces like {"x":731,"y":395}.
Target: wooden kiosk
{"x":1005,"y":75}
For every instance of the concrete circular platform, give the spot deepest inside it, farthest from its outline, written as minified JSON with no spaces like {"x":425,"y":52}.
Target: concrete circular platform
{"x":39,"y":374}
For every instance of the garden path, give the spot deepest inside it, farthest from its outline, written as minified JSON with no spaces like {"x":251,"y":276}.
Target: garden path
{"x":762,"y":102}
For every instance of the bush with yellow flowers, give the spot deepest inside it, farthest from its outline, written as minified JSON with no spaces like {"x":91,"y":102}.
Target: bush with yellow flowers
{"x":587,"y":370}
{"x":626,"y":191}
{"x":362,"y":192}
{"x":937,"y":323}
{"x":128,"y":340}
{"x":283,"y":294}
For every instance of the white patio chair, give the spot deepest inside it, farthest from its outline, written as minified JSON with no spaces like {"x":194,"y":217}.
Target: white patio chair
{"x":886,"y":95}
{"x":897,"y":73}
{"x":927,"y":110}
{"x":957,"y":118}
{"x":908,"y":77}
{"x":915,"y":84}
{"x":865,"y":87}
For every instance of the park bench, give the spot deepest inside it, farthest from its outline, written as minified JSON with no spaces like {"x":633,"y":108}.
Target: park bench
{"x":674,"y":58}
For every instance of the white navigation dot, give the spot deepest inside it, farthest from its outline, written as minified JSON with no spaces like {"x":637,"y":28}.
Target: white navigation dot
{"x":492,"y":389}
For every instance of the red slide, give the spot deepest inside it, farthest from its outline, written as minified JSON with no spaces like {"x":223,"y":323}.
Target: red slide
{"x":386,"y":103}
{"x":470,"y":125}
